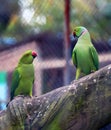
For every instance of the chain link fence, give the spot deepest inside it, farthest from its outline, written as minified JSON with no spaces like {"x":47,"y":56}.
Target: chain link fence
{"x":45,"y":22}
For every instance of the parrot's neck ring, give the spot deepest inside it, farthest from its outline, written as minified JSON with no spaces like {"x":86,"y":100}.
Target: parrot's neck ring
{"x":84,"y":32}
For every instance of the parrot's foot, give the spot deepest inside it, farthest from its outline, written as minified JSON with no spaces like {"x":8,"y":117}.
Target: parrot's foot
{"x":29,"y":96}
{"x":73,"y":81}
{"x":92,"y":71}
{"x":20,"y":96}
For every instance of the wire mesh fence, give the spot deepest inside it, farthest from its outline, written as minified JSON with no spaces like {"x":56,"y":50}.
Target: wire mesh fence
{"x":42,"y":30}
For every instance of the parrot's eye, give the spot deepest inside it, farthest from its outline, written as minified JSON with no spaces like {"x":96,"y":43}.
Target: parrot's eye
{"x":27,"y":54}
{"x":75,"y":30}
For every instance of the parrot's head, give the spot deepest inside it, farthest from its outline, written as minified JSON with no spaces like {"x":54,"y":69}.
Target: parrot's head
{"x":28,"y":57}
{"x":78,"y":31}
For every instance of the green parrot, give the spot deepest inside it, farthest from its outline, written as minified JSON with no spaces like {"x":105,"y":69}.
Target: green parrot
{"x":23,"y":75}
{"x":84,"y":55}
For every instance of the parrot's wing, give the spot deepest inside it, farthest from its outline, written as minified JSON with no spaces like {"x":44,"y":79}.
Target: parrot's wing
{"x":15,"y":82}
{"x":74,"y":59}
{"x":95,"y":58}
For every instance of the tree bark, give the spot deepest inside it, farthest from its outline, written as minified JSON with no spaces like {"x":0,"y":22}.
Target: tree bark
{"x":84,"y":104}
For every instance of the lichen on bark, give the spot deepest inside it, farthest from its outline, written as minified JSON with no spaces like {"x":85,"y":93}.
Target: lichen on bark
{"x":82,"y":105}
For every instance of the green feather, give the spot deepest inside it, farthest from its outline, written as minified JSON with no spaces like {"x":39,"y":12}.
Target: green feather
{"x":84,"y":55}
{"x":15,"y":82}
{"x":23,"y":76}
{"x":74,"y":58}
{"x":94,"y":57}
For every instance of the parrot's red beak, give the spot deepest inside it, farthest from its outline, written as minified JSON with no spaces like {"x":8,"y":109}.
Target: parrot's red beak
{"x":74,"y":34}
{"x":34,"y":54}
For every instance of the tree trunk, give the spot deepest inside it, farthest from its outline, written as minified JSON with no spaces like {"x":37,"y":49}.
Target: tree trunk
{"x":85,"y":104}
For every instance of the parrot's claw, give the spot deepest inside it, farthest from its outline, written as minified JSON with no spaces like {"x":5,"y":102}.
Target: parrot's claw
{"x":20,"y":96}
{"x":73,"y":81}
{"x":29,"y":96}
{"x":92,"y":71}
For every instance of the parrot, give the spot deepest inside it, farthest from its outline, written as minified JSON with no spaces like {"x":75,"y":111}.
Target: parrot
{"x":84,"y":55}
{"x":23,"y":75}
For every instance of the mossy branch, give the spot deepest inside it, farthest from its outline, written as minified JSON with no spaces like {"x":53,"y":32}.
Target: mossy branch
{"x":84,"y":104}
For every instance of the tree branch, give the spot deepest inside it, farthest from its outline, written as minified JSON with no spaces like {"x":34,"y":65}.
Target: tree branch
{"x":85,"y":104}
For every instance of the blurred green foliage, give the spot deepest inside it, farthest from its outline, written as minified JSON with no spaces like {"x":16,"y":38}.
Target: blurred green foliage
{"x":23,"y":17}
{"x":93,"y":15}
